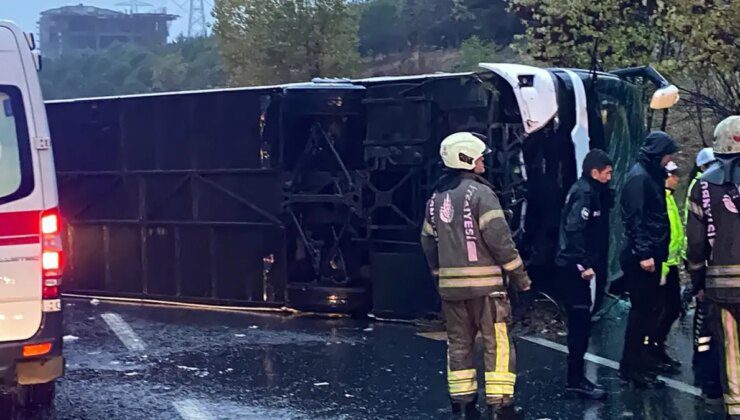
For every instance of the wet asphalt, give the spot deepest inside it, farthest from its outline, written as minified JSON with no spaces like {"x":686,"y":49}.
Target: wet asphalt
{"x":129,"y":361}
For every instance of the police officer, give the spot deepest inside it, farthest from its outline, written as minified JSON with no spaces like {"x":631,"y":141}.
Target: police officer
{"x":670,"y":283}
{"x":577,"y":257}
{"x":469,"y":246}
{"x":647,"y":234}
{"x":713,"y":234}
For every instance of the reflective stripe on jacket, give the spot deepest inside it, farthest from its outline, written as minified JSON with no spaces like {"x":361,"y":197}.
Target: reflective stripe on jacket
{"x":467,"y":241}
{"x":713,"y":251}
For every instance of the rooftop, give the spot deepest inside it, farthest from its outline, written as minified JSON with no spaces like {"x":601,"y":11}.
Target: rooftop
{"x":82,"y":10}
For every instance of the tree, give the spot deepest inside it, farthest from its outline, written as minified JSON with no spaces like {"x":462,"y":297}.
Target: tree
{"x":582,"y":33}
{"x":127,"y":68}
{"x":709,"y":35}
{"x":278,"y":41}
{"x":474,"y":51}
{"x":380,"y":28}
{"x":694,"y":43}
{"x":487,"y":19}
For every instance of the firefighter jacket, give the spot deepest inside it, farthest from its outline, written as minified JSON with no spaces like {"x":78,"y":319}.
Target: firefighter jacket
{"x":467,"y":241}
{"x":646,"y":225}
{"x":713,"y":234}
{"x":582,"y":229}
{"x":677,"y":242}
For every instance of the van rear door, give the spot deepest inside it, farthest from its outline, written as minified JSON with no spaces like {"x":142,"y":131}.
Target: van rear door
{"x":21,"y":195}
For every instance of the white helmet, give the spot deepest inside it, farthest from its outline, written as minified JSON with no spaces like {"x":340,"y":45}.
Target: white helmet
{"x":461,"y":150}
{"x":727,"y":136}
{"x":705,"y":157}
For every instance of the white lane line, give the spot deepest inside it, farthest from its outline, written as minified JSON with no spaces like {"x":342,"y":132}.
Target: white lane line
{"x":677,"y":385}
{"x":192,"y":410}
{"x":124,"y":332}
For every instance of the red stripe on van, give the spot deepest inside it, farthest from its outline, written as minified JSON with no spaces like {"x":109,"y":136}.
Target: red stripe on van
{"x":20,"y":223}
{"x":20,"y":240}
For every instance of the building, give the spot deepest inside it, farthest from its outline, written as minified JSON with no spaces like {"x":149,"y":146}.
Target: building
{"x":72,"y":29}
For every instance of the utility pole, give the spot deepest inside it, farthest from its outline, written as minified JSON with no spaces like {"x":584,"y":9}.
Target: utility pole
{"x":197,"y":23}
{"x":196,"y":16}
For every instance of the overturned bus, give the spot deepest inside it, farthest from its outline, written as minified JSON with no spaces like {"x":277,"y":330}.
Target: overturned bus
{"x":311,"y":195}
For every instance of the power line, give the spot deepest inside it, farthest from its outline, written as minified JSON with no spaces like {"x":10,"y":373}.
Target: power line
{"x":196,"y":12}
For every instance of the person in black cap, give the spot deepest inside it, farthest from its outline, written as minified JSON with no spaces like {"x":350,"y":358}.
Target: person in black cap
{"x":647,"y":234}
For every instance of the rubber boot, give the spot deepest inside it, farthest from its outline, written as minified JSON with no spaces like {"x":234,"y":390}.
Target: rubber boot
{"x":504,"y":412}
{"x":467,"y":411}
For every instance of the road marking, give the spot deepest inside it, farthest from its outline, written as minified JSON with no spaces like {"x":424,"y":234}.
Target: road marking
{"x":677,"y":385}
{"x":192,"y":410}
{"x":124,"y":332}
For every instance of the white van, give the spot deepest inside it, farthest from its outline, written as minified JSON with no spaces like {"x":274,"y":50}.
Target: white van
{"x":30,"y":230}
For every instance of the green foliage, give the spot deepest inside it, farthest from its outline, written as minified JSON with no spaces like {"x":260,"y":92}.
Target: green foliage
{"x":388,"y":26}
{"x":580,"y":33}
{"x":695,"y":43}
{"x":278,"y":41}
{"x":709,"y":38}
{"x":128,"y":69}
{"x":474,"y":51}
{"x":380,"y":28}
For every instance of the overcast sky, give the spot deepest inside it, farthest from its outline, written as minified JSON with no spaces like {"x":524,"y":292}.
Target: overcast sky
{"x":26,"y":12}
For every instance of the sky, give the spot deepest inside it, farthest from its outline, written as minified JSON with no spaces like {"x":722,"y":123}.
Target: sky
{"x":26,"y":12}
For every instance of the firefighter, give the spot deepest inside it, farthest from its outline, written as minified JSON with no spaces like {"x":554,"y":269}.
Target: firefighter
{"x":646,"y":230}
{"x":713,"y":254}
{"x":670,"y":283}
{"x":706,"y":357}
{"x":577,"y":257}
{"x":469,"y":247}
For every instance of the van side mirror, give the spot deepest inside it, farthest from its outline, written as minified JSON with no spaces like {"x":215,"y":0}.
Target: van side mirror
{"x":664,"y":97}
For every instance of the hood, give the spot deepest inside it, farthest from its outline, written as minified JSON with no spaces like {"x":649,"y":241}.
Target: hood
{"x":725,"y":170}
{"x":657,"y":145}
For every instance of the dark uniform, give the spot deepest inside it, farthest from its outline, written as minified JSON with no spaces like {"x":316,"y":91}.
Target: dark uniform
{"x":647,"y":234}
{"x":581,"y":232}
{"x":707,"y":349}
{"x":468,"y":243}
{"x":713,"y":254}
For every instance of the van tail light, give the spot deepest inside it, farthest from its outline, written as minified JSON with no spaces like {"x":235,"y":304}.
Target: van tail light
{"x":31,"y":350}
{"x":52,"y":256}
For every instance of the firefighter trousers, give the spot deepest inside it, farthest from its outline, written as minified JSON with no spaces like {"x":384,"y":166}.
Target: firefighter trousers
{"x":489,"y":315}
{"x":725,"y":321}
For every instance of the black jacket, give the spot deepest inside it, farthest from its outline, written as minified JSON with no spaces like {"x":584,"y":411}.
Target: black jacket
{"x":644,"y":214}
{"x":583,"y":230}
